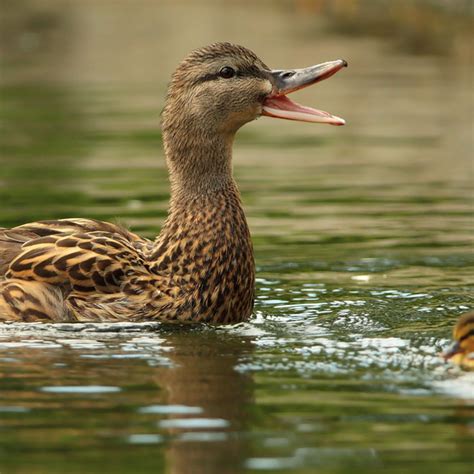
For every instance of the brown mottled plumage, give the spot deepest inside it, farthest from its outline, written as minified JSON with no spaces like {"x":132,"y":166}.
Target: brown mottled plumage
{"x":201,"y":266}
{"x":462,"y":351}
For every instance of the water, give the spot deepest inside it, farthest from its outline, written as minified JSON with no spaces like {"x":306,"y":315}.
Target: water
{"x":363,"y":240}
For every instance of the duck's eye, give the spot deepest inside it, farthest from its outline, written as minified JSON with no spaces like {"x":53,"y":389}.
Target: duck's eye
{"x":227,"y":72}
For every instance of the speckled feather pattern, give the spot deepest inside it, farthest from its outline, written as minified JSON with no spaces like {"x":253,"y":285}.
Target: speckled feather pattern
{"x":200,"y":267}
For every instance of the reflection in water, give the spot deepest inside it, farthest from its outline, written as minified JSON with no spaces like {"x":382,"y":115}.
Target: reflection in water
{"x":204,"y":375}
{"x":180,"y":389}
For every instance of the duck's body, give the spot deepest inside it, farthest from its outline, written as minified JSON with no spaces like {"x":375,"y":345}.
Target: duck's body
{"x":462,"y":351}
{"x":201,"y":266}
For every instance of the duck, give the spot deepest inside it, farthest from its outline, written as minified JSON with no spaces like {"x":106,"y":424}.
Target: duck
{"x":200,"y":268}
{"x":462,"y":351}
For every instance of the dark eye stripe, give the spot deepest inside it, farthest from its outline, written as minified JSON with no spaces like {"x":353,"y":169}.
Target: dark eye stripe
{"x":207,"y":77}
{"x":250,"y":71}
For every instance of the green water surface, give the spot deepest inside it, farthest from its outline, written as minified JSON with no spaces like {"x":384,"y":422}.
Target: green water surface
{"x":362,"y":234}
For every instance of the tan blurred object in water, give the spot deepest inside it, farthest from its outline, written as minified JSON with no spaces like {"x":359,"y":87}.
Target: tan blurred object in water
{"x":462,"y":351}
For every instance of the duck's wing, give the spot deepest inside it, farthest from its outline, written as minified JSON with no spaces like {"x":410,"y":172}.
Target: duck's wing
{"x":10,"y":246}
{"x":81,"y":262}
{"x":69,"y":226}
{"x":13,"y":240}
{"x":81,"y":255}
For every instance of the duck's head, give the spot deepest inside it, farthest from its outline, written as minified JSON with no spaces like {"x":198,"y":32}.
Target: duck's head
{"x":463,"y":346}
{"x":219,"y":88}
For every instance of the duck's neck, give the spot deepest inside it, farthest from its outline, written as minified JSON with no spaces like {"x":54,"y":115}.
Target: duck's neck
{"x":202,"y":185}
{"x":198,"y":164}
{"x":205,"y":242}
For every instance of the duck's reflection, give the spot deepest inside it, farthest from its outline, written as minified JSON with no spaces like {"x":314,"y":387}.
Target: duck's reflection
{"x":205,"y":375}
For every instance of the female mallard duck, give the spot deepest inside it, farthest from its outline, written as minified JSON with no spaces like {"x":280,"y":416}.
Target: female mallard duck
{"x":462,"y":351}
{"x":201,"y":265}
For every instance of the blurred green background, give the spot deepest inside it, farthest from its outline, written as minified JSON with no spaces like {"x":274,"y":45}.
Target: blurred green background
{"x":363,"y":240}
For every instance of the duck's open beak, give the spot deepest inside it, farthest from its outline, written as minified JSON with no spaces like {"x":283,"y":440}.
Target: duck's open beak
{"x":279,"y":105}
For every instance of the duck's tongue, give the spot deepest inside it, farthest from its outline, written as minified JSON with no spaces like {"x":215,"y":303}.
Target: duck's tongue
{"x":280,"y":106}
